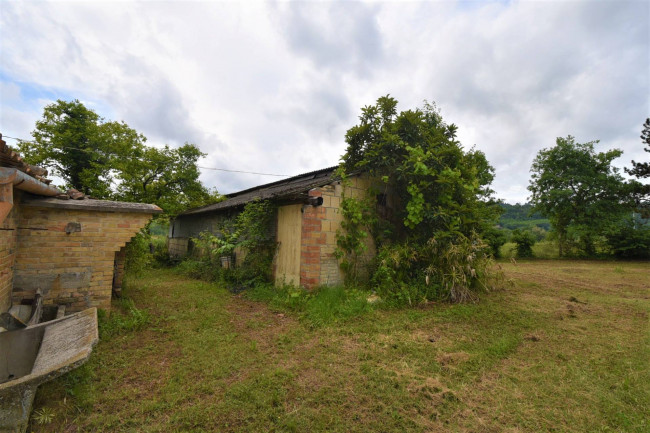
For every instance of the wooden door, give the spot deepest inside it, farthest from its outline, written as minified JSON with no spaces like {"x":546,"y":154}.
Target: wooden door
{"x":287,"y":268}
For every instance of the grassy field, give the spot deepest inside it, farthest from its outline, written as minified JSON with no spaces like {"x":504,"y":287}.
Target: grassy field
{"x":541,"y":250}
{"x":566,"y":349}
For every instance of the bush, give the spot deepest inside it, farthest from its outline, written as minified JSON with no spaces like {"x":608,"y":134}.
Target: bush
{"x":138,"y":256}
{"x":454,"y":270}
{"x":629,"y":242}
{"x":250,"y":236}
{"x":524,"y":242}
{"x":495,"y":238}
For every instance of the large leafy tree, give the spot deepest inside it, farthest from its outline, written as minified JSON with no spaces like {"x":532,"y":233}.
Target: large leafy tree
{"x":168,"y":177}
{"x":579,"y":191}
{"x":79,"y":146}
{"x":441,"y":204}
{"x":109,"y":160}
{"x":641,"y":170}
{"x":445,"y":190}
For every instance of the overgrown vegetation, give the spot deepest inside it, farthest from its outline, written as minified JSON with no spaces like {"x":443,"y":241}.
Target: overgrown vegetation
{"x":250,"y":236}
{"x":110,"y":160}
{"x":560,"y":351}
{"x":429,"y":234}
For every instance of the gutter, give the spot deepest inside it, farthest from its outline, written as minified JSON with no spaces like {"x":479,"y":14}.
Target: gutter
{"x":12,"y":177}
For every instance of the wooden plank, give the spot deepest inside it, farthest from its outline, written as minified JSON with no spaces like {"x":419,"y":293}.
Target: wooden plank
{"x":287,"y":268}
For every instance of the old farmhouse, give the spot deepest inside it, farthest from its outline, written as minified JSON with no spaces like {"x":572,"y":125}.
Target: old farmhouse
{"x":308,"y":217}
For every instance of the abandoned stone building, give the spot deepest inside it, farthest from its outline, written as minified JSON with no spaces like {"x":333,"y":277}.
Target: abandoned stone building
{"x":308,"y":217}
{"x":72,"y":250}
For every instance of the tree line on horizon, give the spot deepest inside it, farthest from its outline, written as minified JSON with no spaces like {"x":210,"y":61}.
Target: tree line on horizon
{"x":577,"y":196}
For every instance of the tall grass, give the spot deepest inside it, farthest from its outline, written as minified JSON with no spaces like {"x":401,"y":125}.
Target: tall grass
{"x":319,"y":307}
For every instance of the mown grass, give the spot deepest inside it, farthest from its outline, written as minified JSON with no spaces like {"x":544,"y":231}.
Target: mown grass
{"x":565,"y":349}
{"x":541,"y":250}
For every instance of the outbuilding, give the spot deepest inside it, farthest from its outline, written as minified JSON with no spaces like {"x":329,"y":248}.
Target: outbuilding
{"x":67,"y":246}
{"x":305,"y":227}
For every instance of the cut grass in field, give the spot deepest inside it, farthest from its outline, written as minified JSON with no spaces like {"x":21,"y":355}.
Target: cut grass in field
{"x":541,"y":250}
{"x":566,"y":349}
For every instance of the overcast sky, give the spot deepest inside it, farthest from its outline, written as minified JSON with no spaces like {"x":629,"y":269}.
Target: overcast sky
{"x":272,"y":87}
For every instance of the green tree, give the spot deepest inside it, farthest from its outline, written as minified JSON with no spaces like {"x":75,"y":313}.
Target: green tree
{"x":579,"y":191}
{"x":445,"y":190}
{"x":79,"y":146}
{"x":168,"y":177}
{"x":641,"y":170}
{"x":442,"y":200}
{"x":109,"y":160}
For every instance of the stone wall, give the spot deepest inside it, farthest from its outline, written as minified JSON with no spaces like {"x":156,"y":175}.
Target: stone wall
{"x":75,"y":268}
{"x":8,"y":242}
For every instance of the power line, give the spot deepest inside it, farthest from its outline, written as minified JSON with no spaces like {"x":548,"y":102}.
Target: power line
{"x":198,"y":166}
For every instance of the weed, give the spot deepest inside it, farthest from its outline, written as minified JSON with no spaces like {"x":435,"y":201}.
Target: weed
{"x":44,"y":415}
{"x":126,"y":318}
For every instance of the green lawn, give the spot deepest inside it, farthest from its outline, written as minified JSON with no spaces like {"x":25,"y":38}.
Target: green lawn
{"x":566,"y":349}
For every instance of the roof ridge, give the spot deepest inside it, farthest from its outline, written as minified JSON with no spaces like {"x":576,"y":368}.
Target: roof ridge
{"x":269,"y":190}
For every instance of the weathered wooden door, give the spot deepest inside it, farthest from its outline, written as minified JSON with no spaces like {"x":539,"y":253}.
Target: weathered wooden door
{"x":287,"y":268}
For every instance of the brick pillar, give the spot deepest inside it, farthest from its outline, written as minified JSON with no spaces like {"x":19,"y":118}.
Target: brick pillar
{"x":312,"y":239}
{"x":118,"y":271}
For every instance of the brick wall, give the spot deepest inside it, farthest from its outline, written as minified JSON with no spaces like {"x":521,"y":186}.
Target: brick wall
{"x":311,"y":241}
{"x":75,"y":269}
{"x":318,"y":265}
{"x":8,"y":239}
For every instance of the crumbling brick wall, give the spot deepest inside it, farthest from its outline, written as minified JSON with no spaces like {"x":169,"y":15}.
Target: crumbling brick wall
{"x":76,"y":268}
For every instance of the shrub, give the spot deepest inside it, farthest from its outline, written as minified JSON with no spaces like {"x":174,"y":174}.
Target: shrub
{"x":138,"y":256}
{"x":628,"y":241}
{"x":495,"y":238}
{"x":250,"y":235}
{"x":454,"y":270}
{"x":524,"y":242}
{"x":437,"y":199}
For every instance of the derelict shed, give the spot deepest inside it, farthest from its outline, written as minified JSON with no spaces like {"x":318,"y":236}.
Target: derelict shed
{"x":66,"y":246}
{"x":308,"y":217}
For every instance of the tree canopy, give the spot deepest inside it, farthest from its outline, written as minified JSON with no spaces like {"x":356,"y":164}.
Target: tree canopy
{"x":446,"y":190}
{"x":579,"y":190}
{"x":79,"y":146}
{"x":641,"y":170}
{"x":442,"y":203}
{"x":109,"y":160}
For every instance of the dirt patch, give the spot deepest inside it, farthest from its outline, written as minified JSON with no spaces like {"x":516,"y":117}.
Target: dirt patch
{"x":452,"y":359}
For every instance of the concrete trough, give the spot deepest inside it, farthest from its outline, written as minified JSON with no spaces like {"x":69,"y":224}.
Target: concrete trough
{"x":37,"y":354}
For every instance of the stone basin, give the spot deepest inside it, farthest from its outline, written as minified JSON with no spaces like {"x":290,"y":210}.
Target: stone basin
{"x":37,"y":354}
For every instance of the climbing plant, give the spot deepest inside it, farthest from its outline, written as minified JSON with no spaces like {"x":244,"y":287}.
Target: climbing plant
{"x":249,"y":234}
{"x":443,"y":198}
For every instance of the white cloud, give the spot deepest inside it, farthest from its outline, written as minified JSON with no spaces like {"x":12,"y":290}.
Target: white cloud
{"x":272,"y":87}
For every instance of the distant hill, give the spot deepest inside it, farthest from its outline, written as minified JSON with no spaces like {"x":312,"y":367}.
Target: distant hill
{"x":517,"y":216}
